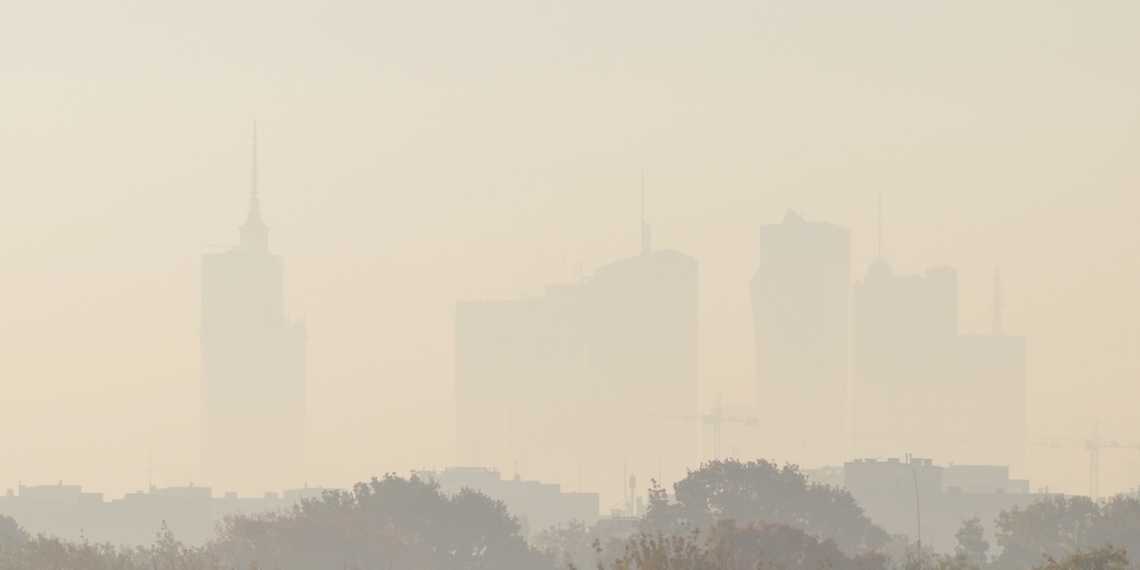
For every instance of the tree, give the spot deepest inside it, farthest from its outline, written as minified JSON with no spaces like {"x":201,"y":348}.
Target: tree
{"x":763,"y":545}
{"x":733,"y":547}
{"x":1118,"y":523}
{"x":388,"y":523}
{"x":571,"y":545}
{"x":12,"y":536}
{"x":760,"y":491}
{"x":972,"y":543}
{"x":1104,"y":558}
{"x":1054,"y":527}
{"x":1050,"y":526}
{"x":44,"y":552}
{"x":669,"y":552}
{"x":934,"y":561}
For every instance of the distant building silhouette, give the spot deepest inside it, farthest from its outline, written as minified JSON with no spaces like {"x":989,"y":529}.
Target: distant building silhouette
{"x":916,"y":384}
{"x":887,"y":491}
{"x":191,"y":513}
{"x":641,"y":334}
{"x":902,"y":335}
{"x":989,"y":377}
{"x":518,"y":375}
{"x":252,"y":366}
{"x":799,"y":307}
{"x":529,"y":373}
{"x":538,"y":506}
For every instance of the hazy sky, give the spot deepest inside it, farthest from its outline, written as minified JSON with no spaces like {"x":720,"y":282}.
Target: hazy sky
{"x":417,"y":153}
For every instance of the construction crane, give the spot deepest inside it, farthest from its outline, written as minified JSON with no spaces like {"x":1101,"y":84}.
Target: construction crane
{"x":1093,"y":445}
{"x":715,"y":418}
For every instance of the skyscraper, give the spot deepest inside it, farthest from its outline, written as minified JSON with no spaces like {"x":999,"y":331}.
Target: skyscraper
{"x":518,"y":379}
{"x":799,"y":308}
{"x":918,"y":386}
{"x":640,"y":362}
{"x":532,"y":374}
{"x":989,"y":387}
{"x":252,"y":365}
{"x":903,"y":332}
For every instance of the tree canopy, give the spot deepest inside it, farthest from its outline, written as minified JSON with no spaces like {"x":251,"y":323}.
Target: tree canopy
{"x":730,"y":546}
{"x":387,"y":523}
{"x":972,"y":544}
{"x":760,"y":491}
{"x":1103,"y":558}
{"x":1057,"y":526}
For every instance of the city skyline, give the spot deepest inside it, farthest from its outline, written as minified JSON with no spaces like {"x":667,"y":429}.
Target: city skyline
{"x":254,"y":240}
{"x":413,"y":156}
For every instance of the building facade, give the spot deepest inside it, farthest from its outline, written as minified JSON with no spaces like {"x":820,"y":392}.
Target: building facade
{"x":891,"y":493}
{"x":917,"y":385}
{"x":252,"y":367}
{"x":599,"y":376}
{"x":800,"y":313}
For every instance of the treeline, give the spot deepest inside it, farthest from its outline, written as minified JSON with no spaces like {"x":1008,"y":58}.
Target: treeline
{"x":727,"y":515}
{"x":1055,"y":527}
{"x":388,"y":523}
{"x":759,"y":515}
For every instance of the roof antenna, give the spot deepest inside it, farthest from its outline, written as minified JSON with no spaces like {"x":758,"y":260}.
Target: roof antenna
{"x":254,"y":232}
{"x":918,"y":511}
{"x":880,"y":225}
{"x":997,"y":328}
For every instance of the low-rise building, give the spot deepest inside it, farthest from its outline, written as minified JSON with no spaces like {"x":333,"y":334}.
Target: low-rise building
{"x":537,"y":505}
{"x":190,"y":512}
{"x":901,"y":495}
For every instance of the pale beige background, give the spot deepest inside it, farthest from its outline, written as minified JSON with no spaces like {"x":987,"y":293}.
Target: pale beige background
{"x":416,"y":153}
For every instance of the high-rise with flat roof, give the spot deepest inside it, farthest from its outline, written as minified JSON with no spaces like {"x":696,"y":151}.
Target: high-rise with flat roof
{"x":518,"y":377}
{"x":799,"y":307}
{"x":599,"y":376}
{"x":902,"y":339}
{"x":252,"y":366}
{"x":917,"y":385}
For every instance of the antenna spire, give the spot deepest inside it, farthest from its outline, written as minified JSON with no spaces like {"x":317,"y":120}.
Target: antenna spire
{"x":254,"y":232}
{"x":997,"y":328}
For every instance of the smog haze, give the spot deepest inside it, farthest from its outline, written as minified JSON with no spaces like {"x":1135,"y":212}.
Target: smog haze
{"x":412,"y":156}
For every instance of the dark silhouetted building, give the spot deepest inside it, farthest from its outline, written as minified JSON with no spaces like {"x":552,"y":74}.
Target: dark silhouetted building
{"x":800,"y":307}
{"x":252,"y":366}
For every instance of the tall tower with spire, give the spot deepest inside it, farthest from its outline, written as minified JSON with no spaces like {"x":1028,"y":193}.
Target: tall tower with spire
{"x":252,"y":366}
